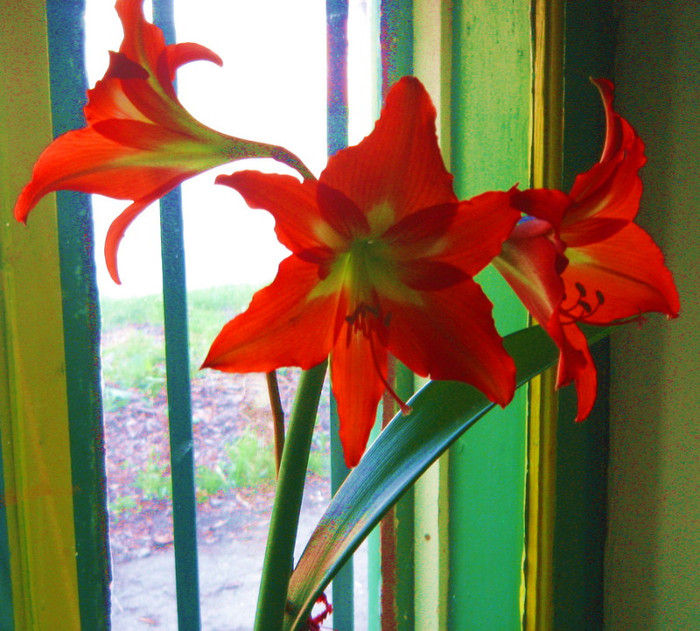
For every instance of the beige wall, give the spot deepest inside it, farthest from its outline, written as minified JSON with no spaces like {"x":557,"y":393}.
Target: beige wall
{"x":653,"y":553}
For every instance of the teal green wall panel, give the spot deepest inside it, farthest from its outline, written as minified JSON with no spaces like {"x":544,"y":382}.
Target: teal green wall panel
{"x":491,"y":96}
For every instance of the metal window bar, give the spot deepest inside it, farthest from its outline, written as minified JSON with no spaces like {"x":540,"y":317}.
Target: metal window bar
{"x":337,"y":129}
{"x":178,"y":385}
{"x":80,"y":325}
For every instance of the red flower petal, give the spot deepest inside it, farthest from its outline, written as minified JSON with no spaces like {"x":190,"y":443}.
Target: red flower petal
{"x":84,"y":160}
{"x":177,"y":55}
{"x":118,"y":227}
{"x":292,"y":203}
{"x":420,"y":230}
{"x":531,"y":267}
{"x":629,"y":270}
{"x":609,"y":190}
{"x":358,"y":388}
{"x":429,"y":274}
{"x":283,"y":326}
{"x":341,"y":213}
{"x":544,"y":203}
{"x":478,"y":231}
{"x":576,"y":365}
{"x":143,"y":42}
{"x":592,"y":230}
{"x":107,"y":101}
{"x":451,"y":336}
{"x":619,"y":134}
{"x":398,"y":168}
{"x":121,"y":67}
{"x":187,"y":52}
{"x":139,"y":135}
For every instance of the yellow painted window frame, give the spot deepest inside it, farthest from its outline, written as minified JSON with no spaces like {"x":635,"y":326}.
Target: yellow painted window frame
{"x":547,"y":147}
{"x":33,"y":399}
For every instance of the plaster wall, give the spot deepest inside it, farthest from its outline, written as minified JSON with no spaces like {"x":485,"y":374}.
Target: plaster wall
{"x":653,"y":549}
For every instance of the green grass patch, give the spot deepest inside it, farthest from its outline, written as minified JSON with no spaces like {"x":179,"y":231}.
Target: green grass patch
{"x":133,"y":364}
{"x":202,"y":304}
{"x":208,"y":311}
{"x":211,"y":481}
{"x":153,"y":480}
{"x":134,"y":356}
{"x":251,"y":461}
{"x":125,"y":312}
{"x":122,"y":505}
{"x":319,"y":456}
{"x":136,"y":359}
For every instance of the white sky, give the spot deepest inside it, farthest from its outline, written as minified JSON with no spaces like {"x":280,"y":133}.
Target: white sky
{"x":272,"y":88}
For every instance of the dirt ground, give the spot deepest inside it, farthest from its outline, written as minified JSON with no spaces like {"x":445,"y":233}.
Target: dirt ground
{"x":232,"y":524}
{"x":224,"y":407}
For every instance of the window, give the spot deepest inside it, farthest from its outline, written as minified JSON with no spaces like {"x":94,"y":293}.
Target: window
{"x":476,"y":62}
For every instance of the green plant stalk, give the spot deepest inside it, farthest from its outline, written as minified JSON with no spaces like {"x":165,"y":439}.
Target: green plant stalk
{"x":279,"y":554}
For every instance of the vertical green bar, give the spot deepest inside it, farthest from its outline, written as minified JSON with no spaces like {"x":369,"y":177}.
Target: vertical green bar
{"x":81,"y":325}
{"x":396,"y":41}
{"x":180,"y":414}
{"x":374,"y":574}
{"x":581,"y":473}
{"x":491,"y":91}
{"x":343,"y":585}
{"x":404,"y":514}
{"x":178,"y":386}
{"x":337,"y":37}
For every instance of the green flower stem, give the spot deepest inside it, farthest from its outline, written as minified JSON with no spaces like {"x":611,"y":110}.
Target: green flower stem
{"x":287,"y":157}
{"x":279,"y":554}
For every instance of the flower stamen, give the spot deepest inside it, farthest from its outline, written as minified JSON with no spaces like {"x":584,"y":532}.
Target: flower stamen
{"x":404,"y":407}
{"x":367,"y":319}
{"x":582,"y":308}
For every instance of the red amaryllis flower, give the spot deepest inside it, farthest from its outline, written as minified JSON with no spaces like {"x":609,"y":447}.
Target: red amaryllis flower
{"x":383,"y":256}
{"x":139,"y":142}
{"x":580,"y":257}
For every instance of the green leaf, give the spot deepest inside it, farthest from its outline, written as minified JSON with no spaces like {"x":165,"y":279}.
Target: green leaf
{"x":442,"y":412}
